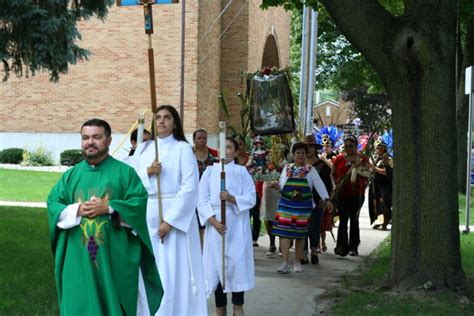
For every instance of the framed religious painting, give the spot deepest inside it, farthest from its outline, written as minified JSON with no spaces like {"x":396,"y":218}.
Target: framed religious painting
{"x":271,"y":103}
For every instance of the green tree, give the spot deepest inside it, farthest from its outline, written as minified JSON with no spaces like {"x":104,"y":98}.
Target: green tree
{"x":37,"y":35}
{"x":414,"y":55}
{"x":340,"y":67}
{"x":372,"y":108}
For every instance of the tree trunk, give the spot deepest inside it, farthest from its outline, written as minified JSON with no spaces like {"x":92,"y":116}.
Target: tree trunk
{"x":462,"y":107}
{"x":425,"y":234}
{"x":414,"y":55}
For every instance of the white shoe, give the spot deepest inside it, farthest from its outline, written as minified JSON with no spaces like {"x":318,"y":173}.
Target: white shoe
{"x":297,"y":268}
{"x":284,"y":268}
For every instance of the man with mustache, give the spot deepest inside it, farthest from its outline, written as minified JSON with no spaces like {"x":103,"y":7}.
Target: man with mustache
{"x":99,"y":235}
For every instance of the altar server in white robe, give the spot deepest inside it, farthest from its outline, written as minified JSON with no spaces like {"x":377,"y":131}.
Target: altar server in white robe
{"x":175,"y":241}
{"x":240,"y":197}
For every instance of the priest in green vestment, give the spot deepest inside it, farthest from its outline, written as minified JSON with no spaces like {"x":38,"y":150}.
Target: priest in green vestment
{"x":99,"y":235}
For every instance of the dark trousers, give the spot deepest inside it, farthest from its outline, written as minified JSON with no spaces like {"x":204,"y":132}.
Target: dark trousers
{"x":221,"y":297}
{"x":380,"y":199}
{"x":269,"y":225}
{"x":314,"y":229}
{"x":256,"y":223}
{"x":349,"y":209}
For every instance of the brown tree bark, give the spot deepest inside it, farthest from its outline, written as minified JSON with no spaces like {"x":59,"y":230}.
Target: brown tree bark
{"x":414,"y":55}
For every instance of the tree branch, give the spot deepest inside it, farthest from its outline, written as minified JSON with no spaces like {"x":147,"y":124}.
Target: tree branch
{"x":367,"y":25}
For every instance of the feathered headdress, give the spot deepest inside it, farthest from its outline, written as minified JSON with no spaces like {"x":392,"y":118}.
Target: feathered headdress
{"x":328,"y":135}
{"x":386,"y":140}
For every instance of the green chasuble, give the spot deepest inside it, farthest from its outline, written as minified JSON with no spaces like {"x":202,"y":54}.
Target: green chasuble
{"x":97,"y":261}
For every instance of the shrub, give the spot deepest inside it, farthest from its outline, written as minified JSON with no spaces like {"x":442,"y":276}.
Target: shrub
{"x":38,"y":157}
{"x":11,"y":155}
{"x":70,"y":157}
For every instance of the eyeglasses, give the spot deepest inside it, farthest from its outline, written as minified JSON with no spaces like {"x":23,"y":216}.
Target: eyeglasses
{"x":349,"y":146}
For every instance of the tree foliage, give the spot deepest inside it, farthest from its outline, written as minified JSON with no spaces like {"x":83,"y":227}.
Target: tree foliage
{"x":38,"y":35}
{"x":372,"y":108}
{"x":340,"y":66}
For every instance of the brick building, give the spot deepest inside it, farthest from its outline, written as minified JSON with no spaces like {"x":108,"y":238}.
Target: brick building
{"x":222,"y":38}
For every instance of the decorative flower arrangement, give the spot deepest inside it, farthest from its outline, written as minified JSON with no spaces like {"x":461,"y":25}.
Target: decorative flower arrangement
{"x":271,"y":175}
{"x":267,"y":71}
{"x":259,"y":174}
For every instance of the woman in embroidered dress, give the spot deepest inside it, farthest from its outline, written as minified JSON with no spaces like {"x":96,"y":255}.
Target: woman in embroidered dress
{"x":296,"y":204}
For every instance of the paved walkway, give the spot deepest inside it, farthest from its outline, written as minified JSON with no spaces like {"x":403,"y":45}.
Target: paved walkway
{"x":298,"y":293}
{"x":23,"y":204}
{"x":294,"y":293}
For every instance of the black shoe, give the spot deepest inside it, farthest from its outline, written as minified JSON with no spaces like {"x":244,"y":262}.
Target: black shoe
{"x":304,"y":260}
{"x":340,"y":251}
{"x":314,"y":259}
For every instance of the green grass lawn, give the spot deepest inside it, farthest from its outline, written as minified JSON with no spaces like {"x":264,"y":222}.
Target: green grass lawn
{"x":365,"y":294}
{"x":26,"y":265}
{"x":34,"y":186}
{"x":26,"y":185}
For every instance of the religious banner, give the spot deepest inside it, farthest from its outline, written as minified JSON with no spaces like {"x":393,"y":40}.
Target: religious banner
{"x":271,"y":103}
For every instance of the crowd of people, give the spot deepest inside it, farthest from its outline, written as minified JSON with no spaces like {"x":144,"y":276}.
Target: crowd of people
{"x":130,"y":238}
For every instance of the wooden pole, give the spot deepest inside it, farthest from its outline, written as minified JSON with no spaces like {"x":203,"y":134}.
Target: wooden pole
{"x":148,"y":14}
{"x":223,"y":206}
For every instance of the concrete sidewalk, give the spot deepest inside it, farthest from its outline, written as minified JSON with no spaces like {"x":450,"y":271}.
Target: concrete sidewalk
{"x":294,"y":293}
{"x":298,"y":293}
{"x":23,"y":204}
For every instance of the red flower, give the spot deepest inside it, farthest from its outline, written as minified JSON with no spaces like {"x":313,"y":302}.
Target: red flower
{"x":267,"y":71}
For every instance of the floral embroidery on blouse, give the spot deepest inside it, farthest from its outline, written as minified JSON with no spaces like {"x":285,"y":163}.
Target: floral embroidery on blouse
{"x":202,"y":165}
{"x":293,"y":171}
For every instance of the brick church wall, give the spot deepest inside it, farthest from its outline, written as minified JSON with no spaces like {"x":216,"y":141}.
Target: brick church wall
{"x":114,"y":84}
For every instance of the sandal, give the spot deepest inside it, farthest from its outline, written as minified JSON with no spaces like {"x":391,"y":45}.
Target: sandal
{"x":324,"y":247}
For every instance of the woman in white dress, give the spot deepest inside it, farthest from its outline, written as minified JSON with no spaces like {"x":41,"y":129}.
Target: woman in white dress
{"x":175,"y":240}
{"x":240,"y":197}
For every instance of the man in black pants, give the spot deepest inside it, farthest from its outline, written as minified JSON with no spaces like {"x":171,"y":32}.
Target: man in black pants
{"x":350,"y":195}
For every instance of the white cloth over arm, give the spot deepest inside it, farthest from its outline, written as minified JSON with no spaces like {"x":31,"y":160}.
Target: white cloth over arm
{"x":68,"y":217}
{"x":182,"y":211}
{"x":205,"y":209}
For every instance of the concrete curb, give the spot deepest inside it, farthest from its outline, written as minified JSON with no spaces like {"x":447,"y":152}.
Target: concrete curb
{"x":23,"y":204}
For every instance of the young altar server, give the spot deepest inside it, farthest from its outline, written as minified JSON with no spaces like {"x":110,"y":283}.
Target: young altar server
{"x":240,"y":197}
{"x":175,"y":240}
